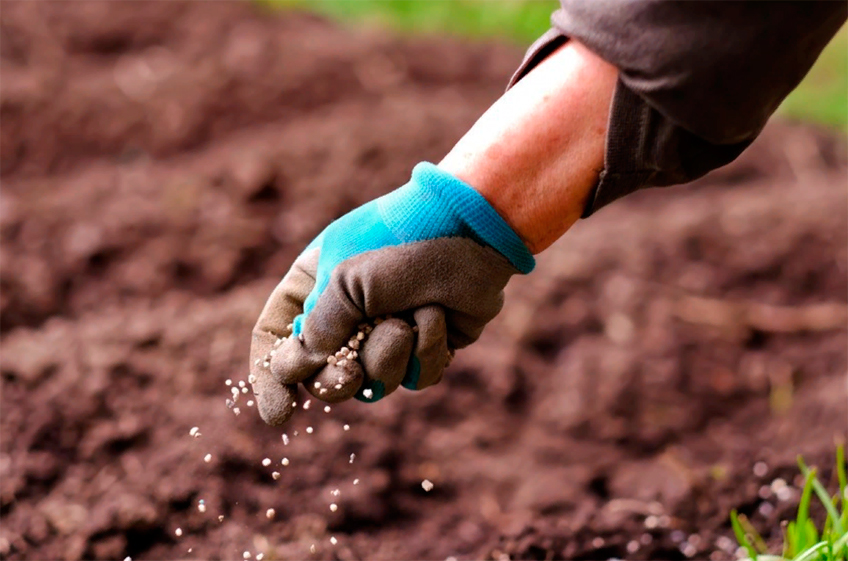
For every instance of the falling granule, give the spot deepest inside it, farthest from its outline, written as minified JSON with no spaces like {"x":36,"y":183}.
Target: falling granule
{"x":230,"y":403}
{"x":598,"y":543}
{"x":312,"y":548}
{"x":241,"y":383}
{"x":195,"y":432}
{"x":335,"y":492}
{"x":352,"y":457}
{"x":201,"y":507}
{"x":270,"y":513}
{"x":307,"y":403}
{"x":317,"y":385}
{"x":178,"y":532}
{"x":245,"y":555}
{"x":308,"y":430}
{"x":326,"y":409}
{"x":266,"y":462}
{"x":127,"y":558}
{"x":338,"y":386}
{"x":220,"y":518}
{"x":368,"y":394}
{"x":190,"y":549}
{"x":276,"y":475}
{"x":207,"y":458}
{"x":260,"y":556}
{"x":334,"y":507}
{"x":252,"y":378}
{"x":322,"y":391}
{"x":760,"y":469}
{"x":333,"y":540}
{"x":346,"y":427}
{"x":632,"y":546}
{"x":295,"y":433}
{"x":427,"y":485}
{"x":285,"y":439}
{"x":228,"y":382}
{"x":250,"y":403}
{"x":651,"y":522}
{"x":244,"y":390}
{"x":356,"y":481}
{"x":236,"y":411}
{"x":285,"y":461}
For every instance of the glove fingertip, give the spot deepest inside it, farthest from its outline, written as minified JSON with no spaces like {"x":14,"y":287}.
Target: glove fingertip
{"x":371,"y":391}
{"x":413,"y":373}
{"x":275,"y":404}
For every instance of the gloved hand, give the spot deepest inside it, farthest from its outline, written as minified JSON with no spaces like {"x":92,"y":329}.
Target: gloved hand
{"x":433,"y":255}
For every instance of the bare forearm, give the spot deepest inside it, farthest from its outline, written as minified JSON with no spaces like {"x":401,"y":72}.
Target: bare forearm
{"x":536,"y":153}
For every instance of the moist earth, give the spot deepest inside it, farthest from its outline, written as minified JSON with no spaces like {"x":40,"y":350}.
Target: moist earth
{"x":162,"y":165}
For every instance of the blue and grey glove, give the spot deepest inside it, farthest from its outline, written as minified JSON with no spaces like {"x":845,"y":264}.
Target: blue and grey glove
{"x":432,"y":256}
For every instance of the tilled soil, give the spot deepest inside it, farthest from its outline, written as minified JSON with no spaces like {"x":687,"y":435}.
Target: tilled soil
{"x":162,"y":165}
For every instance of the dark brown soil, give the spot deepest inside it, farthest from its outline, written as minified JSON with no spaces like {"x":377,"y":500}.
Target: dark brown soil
{"x":162,"y":165}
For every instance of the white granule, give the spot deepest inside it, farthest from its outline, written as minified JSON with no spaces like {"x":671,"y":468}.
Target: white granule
{"x":326,"y":409}
{"x":270,"y":513}
{"x":352,"y":457}
{"x":285,"y":439}
{"x":368,"y":394}
{"x":178,"y":532}
{"x":427,"y":485}
{"x":241,"y":383}
{"x":334,"y":507}
{"x":276,"y":475}
{"x":333,"y":540}
{"x":307,"y":403}
{"x":356,"y":481}
{"x":346,"y":427}
{"x":285,"y":461}
{"x":308,"y":430}
{"x":266,"y":462}
{"x":207,"y":458}
{"x":195,"y":432}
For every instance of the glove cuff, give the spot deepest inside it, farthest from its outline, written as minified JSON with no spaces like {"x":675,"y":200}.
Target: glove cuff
{"x":451,"y":203}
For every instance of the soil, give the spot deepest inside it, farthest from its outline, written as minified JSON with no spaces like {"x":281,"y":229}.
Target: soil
{"x":162,"y":165}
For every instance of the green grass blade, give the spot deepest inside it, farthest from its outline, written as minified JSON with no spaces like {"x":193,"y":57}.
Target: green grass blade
{"x":801,"y":532}
{"x":741,"y":538}
{"x":824,"y":497}
{"x":840,"y":473}
{"x":807,"y":555}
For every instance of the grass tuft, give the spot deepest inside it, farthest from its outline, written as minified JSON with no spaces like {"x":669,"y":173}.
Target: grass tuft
{"x":802,"y":540}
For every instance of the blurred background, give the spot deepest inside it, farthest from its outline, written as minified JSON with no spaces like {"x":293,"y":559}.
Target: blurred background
{"x":162,"y":164}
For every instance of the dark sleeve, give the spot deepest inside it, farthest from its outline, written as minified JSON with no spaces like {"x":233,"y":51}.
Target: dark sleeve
{"x":697,"y":80}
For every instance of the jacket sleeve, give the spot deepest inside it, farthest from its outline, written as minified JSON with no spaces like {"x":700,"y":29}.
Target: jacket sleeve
{"x":697,"y":80}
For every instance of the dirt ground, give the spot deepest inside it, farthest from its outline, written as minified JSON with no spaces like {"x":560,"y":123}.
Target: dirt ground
{"x":162,"y":165}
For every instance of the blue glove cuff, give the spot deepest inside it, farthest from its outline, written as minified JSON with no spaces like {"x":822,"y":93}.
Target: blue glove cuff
{"x":451,"y":201}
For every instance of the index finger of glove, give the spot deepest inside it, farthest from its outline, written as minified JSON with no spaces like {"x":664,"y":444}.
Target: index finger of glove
{"x":274,"y":399}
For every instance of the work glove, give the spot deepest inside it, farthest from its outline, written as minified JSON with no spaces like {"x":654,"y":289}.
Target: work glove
{"x":385,"y":295}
